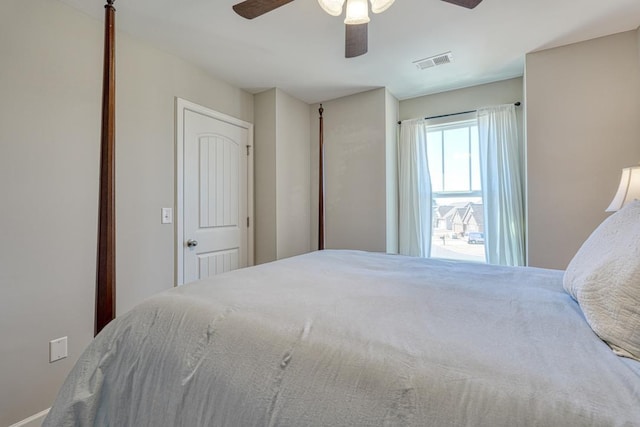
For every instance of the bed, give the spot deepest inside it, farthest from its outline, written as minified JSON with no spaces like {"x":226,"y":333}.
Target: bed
{"x":348,"y":338}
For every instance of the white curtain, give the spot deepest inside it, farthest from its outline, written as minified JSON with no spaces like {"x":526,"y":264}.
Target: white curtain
{"x":501,"y":165}
{"x":415,"y":190}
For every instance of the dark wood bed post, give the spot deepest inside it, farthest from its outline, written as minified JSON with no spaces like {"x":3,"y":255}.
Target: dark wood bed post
{"x":321,"y":187}
{"x":106,"y":262}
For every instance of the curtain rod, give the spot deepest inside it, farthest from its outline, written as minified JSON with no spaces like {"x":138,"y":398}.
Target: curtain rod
{"x":517,"y":104}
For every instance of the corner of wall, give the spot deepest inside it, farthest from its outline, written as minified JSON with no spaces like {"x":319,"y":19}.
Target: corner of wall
{"x":264,"y":105}
{"x":354,"y":144}
{"x":638,"y":41}
{"x":292,"y":147}
{"x":525,"y":182}
{"x":392,"y":107}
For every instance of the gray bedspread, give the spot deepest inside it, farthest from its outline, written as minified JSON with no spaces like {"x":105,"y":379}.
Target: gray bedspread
{"x":347,"y":338}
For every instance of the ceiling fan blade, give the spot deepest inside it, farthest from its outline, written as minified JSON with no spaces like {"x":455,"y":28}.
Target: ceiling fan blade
{"x":253,"y":8}
{"x":356,"y":43}
{"x":469,"y":4}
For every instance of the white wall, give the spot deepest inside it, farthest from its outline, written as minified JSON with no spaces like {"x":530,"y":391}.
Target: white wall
{"x":50,"y":81}
{"x":282,"y":176}
{"x":355,"y":174}
{"x":583,"y":127}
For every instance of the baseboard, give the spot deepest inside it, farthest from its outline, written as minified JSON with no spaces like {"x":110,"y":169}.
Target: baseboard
{"x":33,"y":421}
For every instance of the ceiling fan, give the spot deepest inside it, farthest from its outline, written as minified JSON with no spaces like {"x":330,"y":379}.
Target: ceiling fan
{"x":356,"y":20}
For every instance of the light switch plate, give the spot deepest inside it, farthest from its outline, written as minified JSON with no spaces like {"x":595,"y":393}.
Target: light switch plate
{"x":167,"y":215}
{"x":57,"y":349}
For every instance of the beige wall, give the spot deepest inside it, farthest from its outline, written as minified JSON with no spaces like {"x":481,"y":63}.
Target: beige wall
{"x":355,"y":175}
{"x":293,"y":176}
{"x":582,"y":104}
{"x":145,"y":122}
{"x":468,"y":99}
{"x":583,"y":126}
{"x":471,"y":98}
{"x":265,"y":176}
{"x":282,"y":176}
{"x":50,"y":81}
{"x":392,"y":107}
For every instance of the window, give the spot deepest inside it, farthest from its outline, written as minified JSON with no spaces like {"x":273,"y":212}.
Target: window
{"x":454,"y":166}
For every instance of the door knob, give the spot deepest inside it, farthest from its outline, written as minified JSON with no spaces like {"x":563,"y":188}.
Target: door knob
{"x":191,"y":243}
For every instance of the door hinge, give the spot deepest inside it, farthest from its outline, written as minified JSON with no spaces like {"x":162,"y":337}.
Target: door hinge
{"x":247,"y":222}
{"x":248,"y":147}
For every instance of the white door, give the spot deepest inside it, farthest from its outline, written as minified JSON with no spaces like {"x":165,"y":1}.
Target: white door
{"x":215,"y":236}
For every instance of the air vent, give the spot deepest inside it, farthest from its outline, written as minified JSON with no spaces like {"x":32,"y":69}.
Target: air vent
{"x":443,"y":58}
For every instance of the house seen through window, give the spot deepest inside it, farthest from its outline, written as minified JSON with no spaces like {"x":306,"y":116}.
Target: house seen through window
{"x":454,"y":166}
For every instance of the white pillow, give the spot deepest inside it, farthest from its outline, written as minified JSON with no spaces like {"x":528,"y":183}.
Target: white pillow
{"x":604,"y":277}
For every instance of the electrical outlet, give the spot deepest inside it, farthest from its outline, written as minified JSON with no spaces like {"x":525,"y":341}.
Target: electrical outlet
{"x":57,"y":349}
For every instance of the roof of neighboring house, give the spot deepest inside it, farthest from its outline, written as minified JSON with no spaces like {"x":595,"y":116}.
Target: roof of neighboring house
{"x":444,"y":210}
{"x":464,"y":213}
{"x":475,"y":211}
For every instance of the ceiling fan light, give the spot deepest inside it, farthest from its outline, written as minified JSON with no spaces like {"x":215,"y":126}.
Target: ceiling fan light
{"x":332,"y":7}
{"x":357,"y":12}
{"x":378,"y":6}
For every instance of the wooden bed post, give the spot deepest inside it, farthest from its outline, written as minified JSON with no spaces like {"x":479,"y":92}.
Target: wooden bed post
{"x":321,"y":187}
{"x":106,"y":259}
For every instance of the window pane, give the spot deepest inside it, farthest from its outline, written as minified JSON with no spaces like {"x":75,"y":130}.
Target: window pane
{"x":458,"y":218}
{"x":458,"y":229}
{"x":476,"y":181}
{"x":456,"y":159}
{"x":434,"y":153}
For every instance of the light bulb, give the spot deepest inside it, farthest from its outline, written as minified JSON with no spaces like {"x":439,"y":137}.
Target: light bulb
{"x":357,"y":12}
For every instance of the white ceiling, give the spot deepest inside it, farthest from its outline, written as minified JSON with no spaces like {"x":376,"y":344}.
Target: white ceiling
{"x":300,"y":49}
